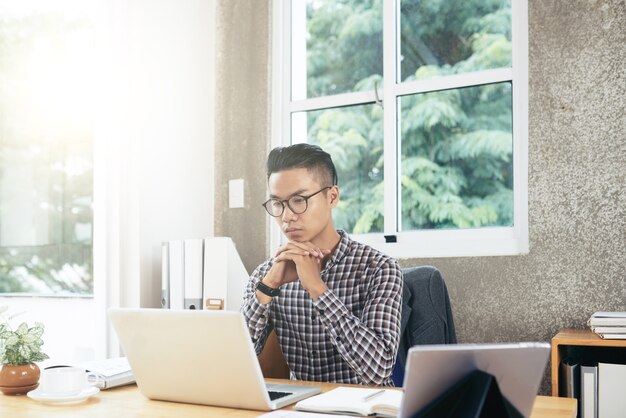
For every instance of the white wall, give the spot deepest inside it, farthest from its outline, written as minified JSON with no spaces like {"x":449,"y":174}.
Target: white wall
{"x":155,"y":148}
{"x":69,"y":332}
{"x":170,"y":121}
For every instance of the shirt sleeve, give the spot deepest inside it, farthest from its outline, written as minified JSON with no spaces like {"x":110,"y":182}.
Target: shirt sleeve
{"x":369,"y":343}
{"x":256,"y":314}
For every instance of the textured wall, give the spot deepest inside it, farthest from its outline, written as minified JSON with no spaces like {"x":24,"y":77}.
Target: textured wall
{"x":577,"y":186}
{"x":242,"y":109}
{"x":577,"y":176}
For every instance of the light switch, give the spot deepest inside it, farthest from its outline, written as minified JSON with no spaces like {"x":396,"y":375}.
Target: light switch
{"x":235,"y":193}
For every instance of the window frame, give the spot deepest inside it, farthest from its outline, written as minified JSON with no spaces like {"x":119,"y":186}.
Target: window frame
{"x":484,"y":241}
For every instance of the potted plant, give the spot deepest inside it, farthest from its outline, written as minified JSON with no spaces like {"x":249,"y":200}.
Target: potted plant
{"x":19,"y":350}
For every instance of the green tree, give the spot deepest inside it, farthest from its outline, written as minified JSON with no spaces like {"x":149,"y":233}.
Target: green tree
{"x":456,"y":145}
{"x":55,"y":152}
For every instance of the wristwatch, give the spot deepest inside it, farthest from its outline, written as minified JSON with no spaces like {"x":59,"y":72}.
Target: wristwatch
{"x":269,"y":291}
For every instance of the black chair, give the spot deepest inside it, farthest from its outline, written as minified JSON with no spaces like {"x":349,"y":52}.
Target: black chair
{"x":426,"y":314}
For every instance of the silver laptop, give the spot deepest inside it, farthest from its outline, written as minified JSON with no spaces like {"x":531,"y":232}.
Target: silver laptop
{"x":200,"y":357}
{"x":433,"y":369}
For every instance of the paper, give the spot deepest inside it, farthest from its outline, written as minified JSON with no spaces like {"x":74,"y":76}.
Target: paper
{"x":297,"y":414}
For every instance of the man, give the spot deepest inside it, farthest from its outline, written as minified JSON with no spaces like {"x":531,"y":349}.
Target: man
{"x":335,"y":303}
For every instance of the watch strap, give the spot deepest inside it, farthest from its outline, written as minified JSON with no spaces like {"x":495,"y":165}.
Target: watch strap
{"x":265,"y":289}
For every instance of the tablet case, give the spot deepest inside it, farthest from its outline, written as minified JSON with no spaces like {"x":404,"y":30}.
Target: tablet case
{"x":477,"y":395}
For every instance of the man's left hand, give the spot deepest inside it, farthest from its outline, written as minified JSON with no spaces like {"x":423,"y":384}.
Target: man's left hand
{"x":308,"y":268}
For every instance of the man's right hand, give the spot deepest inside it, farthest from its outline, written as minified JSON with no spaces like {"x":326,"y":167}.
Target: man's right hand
{"x":285,"y":271}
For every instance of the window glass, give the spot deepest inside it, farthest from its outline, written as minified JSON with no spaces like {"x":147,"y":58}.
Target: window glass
{"x":46,"y":124}
{"x":353,"y":136}
{"x":457,"y":153}
{"x":336,"y":46}
{"x":448,"y":142}
{"x":455,"y":36}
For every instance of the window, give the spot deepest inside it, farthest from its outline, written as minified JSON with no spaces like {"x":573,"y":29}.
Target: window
{"x":422,"y":105}
{"x":46,"y":133}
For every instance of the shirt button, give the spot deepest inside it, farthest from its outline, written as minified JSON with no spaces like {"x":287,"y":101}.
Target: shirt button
{"x":314,"y":353}
{"x":338,"y":339}
{"x":321,"y":311}
{"x":312,"y":317}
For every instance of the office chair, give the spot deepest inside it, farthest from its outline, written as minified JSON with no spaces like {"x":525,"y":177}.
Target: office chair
{"x":426,"y":314}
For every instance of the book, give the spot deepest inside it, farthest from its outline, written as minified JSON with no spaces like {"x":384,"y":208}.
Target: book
{"x":609,"y":330}
{"x":193,"y":273}
{"x":589,"y":391}
{"x":106,"y":374}
{"x":617,"y":319}
{"x":357,"y":401}
{"x":611,"y":383}
{"x":610,"y":336}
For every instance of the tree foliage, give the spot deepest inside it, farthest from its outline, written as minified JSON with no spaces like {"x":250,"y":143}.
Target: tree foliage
{"x":45,"y":153}
{"x":455,"y":145}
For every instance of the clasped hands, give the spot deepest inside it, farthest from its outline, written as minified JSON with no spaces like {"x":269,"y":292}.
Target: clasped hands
{"x":298,"y":260}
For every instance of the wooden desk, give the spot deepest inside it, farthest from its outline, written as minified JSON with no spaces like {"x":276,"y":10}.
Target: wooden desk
{"x":127,"y":402}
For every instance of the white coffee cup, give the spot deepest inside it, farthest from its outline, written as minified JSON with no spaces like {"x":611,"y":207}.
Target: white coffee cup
{"x":63,"y":381}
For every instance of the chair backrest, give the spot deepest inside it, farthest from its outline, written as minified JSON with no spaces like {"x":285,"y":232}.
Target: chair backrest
{"x":426,"y":314}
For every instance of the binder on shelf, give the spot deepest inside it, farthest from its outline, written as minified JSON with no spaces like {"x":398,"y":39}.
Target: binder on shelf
{"x":193,"y":273}
{"x":569,"y":379}
{"x":611,"y":396}
{"x":224,"y":275}
{"x":589,"y":391}
{"x":165,"y":276}
{"x":176,"y":263}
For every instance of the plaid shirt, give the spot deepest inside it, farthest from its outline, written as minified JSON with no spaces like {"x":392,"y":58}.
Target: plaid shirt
{"x":350,"y":334}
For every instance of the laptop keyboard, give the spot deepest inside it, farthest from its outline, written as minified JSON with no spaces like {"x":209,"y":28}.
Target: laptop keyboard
{"x":277,"y":395}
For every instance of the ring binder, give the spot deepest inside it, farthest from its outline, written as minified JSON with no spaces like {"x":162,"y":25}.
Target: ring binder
{"x":477,"y":395}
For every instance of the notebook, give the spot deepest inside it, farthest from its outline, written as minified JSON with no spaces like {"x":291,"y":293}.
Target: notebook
{"x":355,"y":401}
{"x":431,"y":370}
{"x":200,"y":357}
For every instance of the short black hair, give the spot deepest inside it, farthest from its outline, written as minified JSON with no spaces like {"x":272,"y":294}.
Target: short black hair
{"x":311,"y":157}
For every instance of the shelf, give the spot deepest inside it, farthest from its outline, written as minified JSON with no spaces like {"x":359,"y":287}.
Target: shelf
{"x":591,"y":346}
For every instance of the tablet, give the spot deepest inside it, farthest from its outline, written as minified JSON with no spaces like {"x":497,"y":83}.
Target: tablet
{"x":431,"y":370}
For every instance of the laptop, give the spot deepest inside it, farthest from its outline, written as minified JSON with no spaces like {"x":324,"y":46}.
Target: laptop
{"x":200,"y":357}
{"x":431,"y":370}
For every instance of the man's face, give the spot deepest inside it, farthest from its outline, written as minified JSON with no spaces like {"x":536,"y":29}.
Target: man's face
{"x":318,"y":215}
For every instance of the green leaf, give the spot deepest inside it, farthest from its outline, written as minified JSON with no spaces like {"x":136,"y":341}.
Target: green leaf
{"x":495,"y":144}
{"x":22,"y":329}
{"x":11,"y":340}
{"x":36,"y":331}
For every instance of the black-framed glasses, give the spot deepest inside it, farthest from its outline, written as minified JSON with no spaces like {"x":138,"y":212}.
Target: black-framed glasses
{"x":297,"y":204}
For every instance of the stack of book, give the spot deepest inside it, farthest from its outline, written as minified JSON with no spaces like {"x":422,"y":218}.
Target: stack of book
{"x":609,"y":325}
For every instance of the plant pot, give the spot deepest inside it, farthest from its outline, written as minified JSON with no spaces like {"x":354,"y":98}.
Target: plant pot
{"x":19,"y":380}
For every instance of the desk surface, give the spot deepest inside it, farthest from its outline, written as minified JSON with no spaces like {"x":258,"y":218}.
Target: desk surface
{"x":127,"y":402}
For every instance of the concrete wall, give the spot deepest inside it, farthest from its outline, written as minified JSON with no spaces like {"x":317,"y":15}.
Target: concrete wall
{"x":577,"y":171}
{"x":242,"y":122}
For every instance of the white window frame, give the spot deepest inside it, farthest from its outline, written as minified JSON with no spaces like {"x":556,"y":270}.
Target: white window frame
{"x":486,"y":241}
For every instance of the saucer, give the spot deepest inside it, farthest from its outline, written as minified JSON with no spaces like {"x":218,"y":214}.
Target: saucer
{"x":41,"y":396}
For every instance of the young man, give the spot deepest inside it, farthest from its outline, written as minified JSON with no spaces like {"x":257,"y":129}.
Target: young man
{"x":335,"y":303}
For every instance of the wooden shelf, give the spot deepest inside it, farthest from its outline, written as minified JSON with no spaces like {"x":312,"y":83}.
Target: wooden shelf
{"x":567,"y":338}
